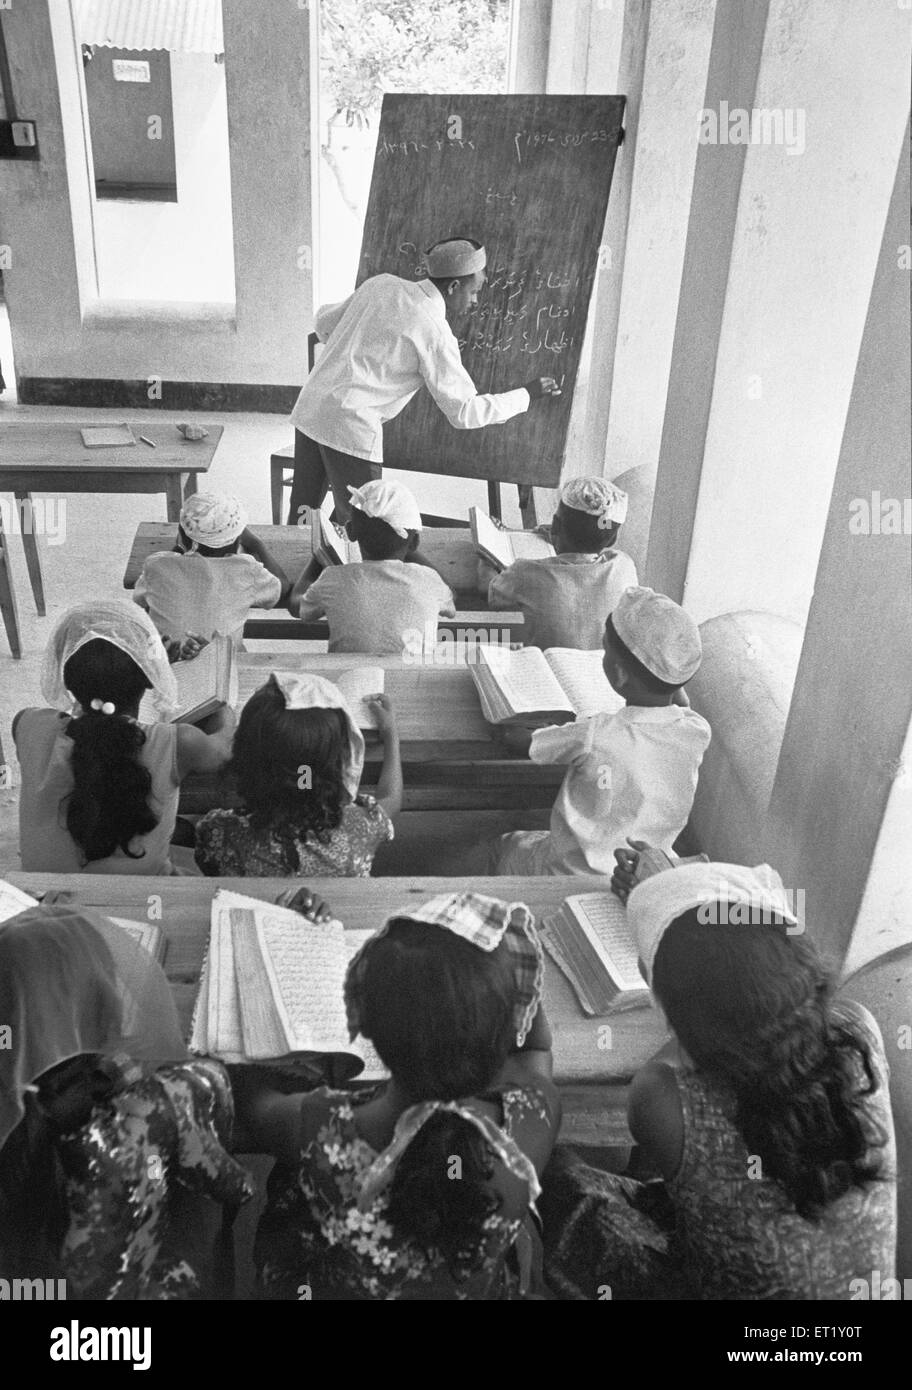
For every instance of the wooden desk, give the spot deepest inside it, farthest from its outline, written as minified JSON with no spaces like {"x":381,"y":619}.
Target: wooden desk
{"x":590,"y":1054}
{"x":449,"y":548}
{"x":450,"y":761}
{"x":52,"y":458}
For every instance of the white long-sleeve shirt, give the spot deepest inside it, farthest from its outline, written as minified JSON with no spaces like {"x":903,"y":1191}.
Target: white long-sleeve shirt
{"x":382,"y":344}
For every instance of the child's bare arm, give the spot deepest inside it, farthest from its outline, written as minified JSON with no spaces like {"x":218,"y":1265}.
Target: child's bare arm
{"x":389,"y":786}
{"x":208,"y":747}
{"x":297,"y":591}
{"x":255,"y":547}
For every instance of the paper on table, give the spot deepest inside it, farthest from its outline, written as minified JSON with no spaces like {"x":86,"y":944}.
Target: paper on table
{"x":107,"y":436}
{"x":583,"y":679}
{"x":356,"y":685}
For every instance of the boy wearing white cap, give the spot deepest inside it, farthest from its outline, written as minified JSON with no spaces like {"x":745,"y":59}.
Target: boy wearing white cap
{"x":204,"y":585}
{"x":565,"y":597}
{"x":374,"y":606}
{"x":383,"y":343}
{"x":633,"y":773}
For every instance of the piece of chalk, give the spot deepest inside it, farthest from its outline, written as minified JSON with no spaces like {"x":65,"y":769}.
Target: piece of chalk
{"x":150,"y":442}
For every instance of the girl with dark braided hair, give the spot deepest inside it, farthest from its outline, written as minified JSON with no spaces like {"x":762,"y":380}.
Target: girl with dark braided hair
{"x":768,"y":1116}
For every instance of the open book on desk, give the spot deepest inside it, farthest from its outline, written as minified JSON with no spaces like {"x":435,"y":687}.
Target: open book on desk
{"x":272,"y":987}
{"x":330,"y":545}
{"x":588,"y":937}
{"x":501,"y":548}
{"x":203,"y":684}
{"x":533,"y":687}
{"x":148,"y":935}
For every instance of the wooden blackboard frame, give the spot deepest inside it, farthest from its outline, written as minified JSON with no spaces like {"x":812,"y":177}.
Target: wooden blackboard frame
{"x":530,"y":176}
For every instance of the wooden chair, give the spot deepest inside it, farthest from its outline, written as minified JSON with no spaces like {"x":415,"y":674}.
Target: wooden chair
{"x":281,"y":474}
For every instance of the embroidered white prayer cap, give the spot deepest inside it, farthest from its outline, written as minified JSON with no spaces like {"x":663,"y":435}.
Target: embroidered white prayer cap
{"x":387,"y":501}
{"x":659,"y":633}
{"x":306,"y":691}
{"x":745,"y":897}
{"x":124,"y":625}
{"x":212,"y":518}
{"x":456,"y":257}
{"x":595,"y":497}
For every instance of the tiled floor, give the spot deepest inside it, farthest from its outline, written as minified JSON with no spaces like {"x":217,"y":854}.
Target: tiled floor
{"x":90,"y":560}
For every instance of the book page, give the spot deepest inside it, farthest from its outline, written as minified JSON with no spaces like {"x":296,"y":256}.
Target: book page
{"x":527,"y":545}
{"x":224,"y":1036}
{"x":13,"y":901}
{"x":495,"y":544}
{"x":583,"y":680}
{"x":525,"y":679}
{"x":209,"y":679}
{"x":604,"y":918}
{"x":356,"y":685}
{"x":306,"y":965}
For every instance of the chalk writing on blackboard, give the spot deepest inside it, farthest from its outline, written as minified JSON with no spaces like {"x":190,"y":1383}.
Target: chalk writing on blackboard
{"x":534,"y":139}
{"x":389,"y":147}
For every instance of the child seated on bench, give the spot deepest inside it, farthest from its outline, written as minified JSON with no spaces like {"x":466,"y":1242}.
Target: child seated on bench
{"x":564,"y":597}
{"x":633,"y":773}
{"x":205,"y":585}
{"x":100,"y":790}
{"x":379,"y":605}
{"x":422,"y":1187}
{"x":297,"y":761}
{"x":767,"y":1116}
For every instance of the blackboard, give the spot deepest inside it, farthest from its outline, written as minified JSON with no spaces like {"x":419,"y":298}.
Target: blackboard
{"x":528,"y":176}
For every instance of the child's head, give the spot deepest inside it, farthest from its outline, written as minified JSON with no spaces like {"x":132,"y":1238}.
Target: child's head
{"x":296,"y":759}
{"x":211,"y":524}
{"x":438,"y":1010}
{"x":385,"y":521}
{"x":652,"y":647}
{"x":749,"y":1000}
{"x":588,"y":516}
{"x":99,"y":671}
{"x":443,"y":1011}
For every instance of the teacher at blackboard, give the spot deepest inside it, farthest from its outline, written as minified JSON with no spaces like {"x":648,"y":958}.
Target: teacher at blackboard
{"x":382,"y":344}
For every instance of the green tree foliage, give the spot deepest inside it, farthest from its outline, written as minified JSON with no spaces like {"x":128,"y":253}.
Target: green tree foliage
{"x":368,"y":47}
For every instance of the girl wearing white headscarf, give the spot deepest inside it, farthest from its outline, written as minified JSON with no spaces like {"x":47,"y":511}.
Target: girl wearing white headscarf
{"x":100,"y":788}
{"x":768,"y":1118}
{"x":106,"y":1127}
{"x":297,"y":761}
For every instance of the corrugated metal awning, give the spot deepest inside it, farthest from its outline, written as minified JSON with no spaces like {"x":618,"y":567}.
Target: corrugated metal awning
{"x":182,"y":26}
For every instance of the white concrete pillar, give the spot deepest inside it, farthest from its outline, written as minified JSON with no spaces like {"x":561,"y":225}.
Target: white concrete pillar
{"x":839,"y":812}
{"x":834,"y":87}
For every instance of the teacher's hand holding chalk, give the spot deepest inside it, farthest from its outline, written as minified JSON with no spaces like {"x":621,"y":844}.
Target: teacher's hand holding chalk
{"x":542,"y":386}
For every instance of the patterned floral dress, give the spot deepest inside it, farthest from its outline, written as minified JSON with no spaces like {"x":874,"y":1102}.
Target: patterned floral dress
{"x":717,"y":1230}
{"x":161,"y":1131}
{"x":227,"y":845}
{"x":314,"y":1243}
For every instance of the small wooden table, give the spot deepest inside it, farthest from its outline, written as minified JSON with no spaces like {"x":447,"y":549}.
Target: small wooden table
{"x":451,"y":759}
{"x":590,"y":1054}
{"x":40,"y":457}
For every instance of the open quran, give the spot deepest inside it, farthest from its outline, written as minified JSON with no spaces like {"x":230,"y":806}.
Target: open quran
{"x":203,"y":684}
{"x":590,"y":940}
{"x":271,"y":987}
{"x":530,"y":686}
{"x":500,"y":547}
